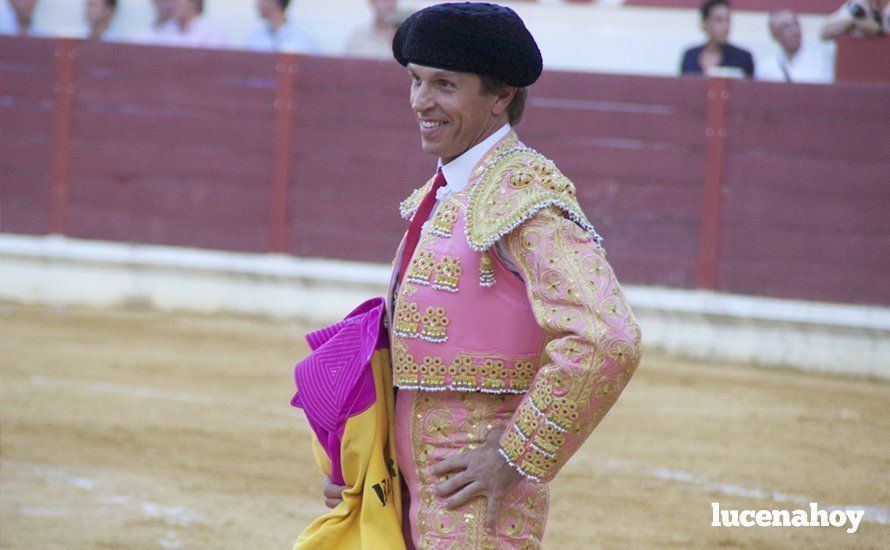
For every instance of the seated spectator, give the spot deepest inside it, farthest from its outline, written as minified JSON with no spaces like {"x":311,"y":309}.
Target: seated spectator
{"x":374,"y":39}
{"x":189,"y":27}
{"x":717,"y":57}
{"x":165,"y":15}
{"x":19,"y":20}
{"x":165,"y":18}
{"x":795,"y":62}
{"x":858,"y":18}
{"x":277,"y":33}
{"x":98,"y":14}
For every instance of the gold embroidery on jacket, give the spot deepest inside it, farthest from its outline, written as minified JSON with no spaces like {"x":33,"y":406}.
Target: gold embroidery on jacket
{"x":592,"y":350}
{"x":476,"y":373}
{"x":534,"y":182}
{"x":486,"y":271}
{"x":408,"y":206}
{"x":430,"y":325}
{"x":421,"y":267}
{"x":447,"y":273}
{"x":408,"y":321}
{"x":443,"y":220}
{"x":434,"y":325}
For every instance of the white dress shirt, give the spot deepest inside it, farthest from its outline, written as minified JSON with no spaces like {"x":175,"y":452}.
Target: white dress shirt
{"x":811,"y":65}
{"x":457,"y":172}
{"x":457,"y":175}
{"x":199,"y":33}
{"x":288,"y":38}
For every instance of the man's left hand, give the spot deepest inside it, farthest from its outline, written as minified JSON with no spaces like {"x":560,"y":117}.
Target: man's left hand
{"x":478,"y":472}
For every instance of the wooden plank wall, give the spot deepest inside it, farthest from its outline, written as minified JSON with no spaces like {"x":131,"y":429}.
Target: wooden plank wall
{"x":26,"y":133}
{"x":172,"y":146}
{"x":634,"y":146}
{"x":748,"y":187}
{"x":807,"y":192}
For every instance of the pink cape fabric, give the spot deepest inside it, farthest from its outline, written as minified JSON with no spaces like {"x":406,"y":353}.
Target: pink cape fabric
{"x":335,"y":381}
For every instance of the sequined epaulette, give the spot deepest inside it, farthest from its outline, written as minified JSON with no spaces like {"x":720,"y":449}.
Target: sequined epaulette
{"x":515,"y":186}
{"x":410,"y":205}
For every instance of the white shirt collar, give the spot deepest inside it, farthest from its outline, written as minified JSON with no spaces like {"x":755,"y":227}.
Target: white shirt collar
{"x":457,"y":172}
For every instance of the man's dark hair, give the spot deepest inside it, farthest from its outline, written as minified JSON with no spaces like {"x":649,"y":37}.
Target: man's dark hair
{"x":199,"y":4}
{"x":112,"y":4}
{"x":492,"y":85}
{"x":709,"y":5}
{"x":284,"y":4}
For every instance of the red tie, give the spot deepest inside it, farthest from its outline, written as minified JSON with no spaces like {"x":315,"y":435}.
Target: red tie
{"x":420,"y":216}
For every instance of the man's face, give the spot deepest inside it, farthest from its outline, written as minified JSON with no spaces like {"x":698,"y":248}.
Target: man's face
{"x":267,"y":8}
{"x":786,"y":30}
{"x":24,"y":8}
{"x":96,"y":11}
{"x":451,"y":110}
{"x":186,"y":10}
{"x":716,"y":26}
{"x":166,"y":9}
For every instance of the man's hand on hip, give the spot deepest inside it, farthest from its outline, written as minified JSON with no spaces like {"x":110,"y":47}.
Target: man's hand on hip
{"x":478,"y":472}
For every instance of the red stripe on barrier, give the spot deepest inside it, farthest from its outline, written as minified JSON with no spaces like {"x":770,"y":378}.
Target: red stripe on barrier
{"x":66,"y":52}
{"x":714,"y":175}
{"x":285,"y":101}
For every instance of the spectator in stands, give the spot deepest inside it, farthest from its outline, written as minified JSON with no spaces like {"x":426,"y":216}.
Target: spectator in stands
{"x":190,"y":28}
{"x":165,"y":19}
{"x":795,"y":62}
{"x":98,"y":14}
{"x":277,"y":33}
{"x":20,"y":19}
{"x":374,"y":39}
{"x":165,"y":13}
{"x":858,"y":18}
{"x":717,"y":57}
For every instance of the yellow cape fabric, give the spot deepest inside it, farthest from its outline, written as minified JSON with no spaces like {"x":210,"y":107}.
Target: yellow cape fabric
{"x":370,"y":516}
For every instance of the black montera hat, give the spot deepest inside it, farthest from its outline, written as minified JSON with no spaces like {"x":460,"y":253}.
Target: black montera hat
{"x":485,"y":39}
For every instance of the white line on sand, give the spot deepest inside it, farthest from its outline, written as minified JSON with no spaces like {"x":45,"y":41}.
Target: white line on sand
{"x":873,"y":514}
{"x":106,"y":387}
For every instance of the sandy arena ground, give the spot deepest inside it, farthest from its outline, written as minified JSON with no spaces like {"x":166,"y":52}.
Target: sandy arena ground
{"x":133,"y":429}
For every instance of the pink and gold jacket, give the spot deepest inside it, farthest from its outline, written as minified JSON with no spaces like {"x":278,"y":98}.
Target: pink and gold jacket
{"x":539,"y":314}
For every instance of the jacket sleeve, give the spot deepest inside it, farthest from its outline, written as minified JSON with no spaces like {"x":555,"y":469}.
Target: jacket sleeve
{"x":593,"y":343}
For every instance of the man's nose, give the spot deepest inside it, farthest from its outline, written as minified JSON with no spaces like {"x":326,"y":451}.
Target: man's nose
{"x":421,"y":99}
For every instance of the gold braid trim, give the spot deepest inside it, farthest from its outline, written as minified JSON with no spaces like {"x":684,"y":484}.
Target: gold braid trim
{"x":515,"y":186}
{"x":409,"y":206}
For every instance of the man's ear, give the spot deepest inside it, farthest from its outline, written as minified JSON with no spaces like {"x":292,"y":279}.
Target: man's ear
{"x":504,"y":98}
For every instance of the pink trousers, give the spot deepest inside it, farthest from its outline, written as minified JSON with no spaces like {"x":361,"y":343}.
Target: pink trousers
{"x":431,"y":426}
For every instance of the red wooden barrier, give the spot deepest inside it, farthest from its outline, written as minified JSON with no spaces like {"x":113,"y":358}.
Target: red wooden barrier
{"x":64,"y":95}
{"x":741,"y":186}
{"x":806,"y":197}
{"x":28,"y":73}
{"x":285,"y":103}
{"x":715,"y":134}
{"x":863,"y":59}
